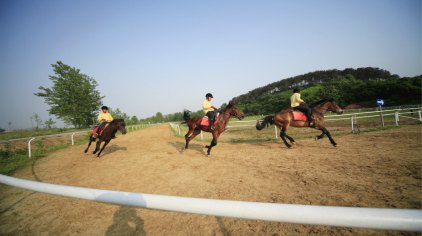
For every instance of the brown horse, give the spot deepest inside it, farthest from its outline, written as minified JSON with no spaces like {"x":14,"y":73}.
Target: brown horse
{"x":195,"y":126}
{"x":284,"y":119}
{"x":108,"y":134}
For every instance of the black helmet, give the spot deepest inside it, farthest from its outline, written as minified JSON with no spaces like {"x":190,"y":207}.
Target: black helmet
{"x":104,"y":108}
{"x":209,"y":95}
{"x":296,"y":90}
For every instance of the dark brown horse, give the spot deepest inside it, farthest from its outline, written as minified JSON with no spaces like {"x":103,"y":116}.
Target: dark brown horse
{"x":195,"y":126}
{"x":284,"y":119}
{"x":108,"y":134}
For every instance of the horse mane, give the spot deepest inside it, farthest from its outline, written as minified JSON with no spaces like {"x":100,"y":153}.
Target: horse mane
{"x":320,"y":102}
{"x":116,"y":121}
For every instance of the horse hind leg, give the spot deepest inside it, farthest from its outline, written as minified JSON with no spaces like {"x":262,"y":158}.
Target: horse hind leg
{"x":192,"y":133}
{"x":283,"y":137}
{"x":292,"y":141}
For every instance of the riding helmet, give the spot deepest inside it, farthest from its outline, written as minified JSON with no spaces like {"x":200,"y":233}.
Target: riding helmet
{"x":209,"y":95}
{"x":104,"y":108}
{"x":296,"y":90}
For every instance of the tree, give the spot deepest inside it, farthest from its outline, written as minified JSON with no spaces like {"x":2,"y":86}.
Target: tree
{"x":118,"y":114}
{"x":134,"y":120}
{"x":49,"y":123}
{"x":73,"y":96}
{"x":37,"y":120}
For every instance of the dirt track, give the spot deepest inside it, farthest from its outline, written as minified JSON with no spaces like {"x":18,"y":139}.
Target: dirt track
{"x":378,"y":169}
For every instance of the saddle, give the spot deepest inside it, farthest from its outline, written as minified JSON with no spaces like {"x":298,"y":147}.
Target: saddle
{"x":299,"y":116}
{"x":205,"y":121}
{"x":95,"y":130}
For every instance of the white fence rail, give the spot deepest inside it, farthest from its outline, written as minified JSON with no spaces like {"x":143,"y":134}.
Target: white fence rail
{"x":72,"y":134}
{"x":375,"y":218}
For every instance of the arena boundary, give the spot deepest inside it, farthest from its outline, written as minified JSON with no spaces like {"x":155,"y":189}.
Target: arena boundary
{"x":374,"y":218}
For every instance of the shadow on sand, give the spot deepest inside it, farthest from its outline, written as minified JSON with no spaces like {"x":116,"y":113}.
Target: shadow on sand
{"x":126,"y":222}
{"x":180,"y":147}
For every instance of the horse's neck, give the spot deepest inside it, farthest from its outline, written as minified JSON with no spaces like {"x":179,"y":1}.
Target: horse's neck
{"x":223,"y":119}
{"x":321,"y":109}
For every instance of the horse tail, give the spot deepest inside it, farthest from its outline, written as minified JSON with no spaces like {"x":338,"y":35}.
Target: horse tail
{"x":186,"y":116}
{"x":267,"y":121}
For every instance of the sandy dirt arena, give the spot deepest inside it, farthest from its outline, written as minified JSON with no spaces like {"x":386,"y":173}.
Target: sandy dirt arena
{"x":376,"y":169}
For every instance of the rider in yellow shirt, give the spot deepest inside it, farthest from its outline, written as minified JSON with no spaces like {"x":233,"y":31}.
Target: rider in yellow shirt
{"x":209,"y":109}
{"x":104,"y":117}
{"x":298,"y":104}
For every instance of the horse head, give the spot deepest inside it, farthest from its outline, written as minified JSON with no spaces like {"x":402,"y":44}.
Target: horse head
{"x":334,"y":107}
{"x":234,"y":111}
{"x":328,"y":105}
{"x":120,"y":125}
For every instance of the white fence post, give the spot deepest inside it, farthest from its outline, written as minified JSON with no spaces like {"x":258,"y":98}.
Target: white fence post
{"x":29,"y":147}
{"x":396,"y":117}
{"x":72,"y":139}
{"x":275,"y":130}
{"x":352,"y":121}
{"x":202,"y":137}
{"x":420,"y":117}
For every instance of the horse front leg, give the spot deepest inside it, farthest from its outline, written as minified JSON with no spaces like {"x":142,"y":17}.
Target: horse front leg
{"x":97,"y":146}
{"x":105,"y":144}
{"x":213,"y":143}
{"x":89,"y":144}
{"x":322,"y":135}
{"x":325,"y":131}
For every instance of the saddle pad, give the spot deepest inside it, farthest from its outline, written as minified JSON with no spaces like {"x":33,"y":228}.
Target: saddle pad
{"x":298,"y":115}
{"x":205,"y":121}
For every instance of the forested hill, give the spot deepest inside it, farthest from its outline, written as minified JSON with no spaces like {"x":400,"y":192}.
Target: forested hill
{"x":362,"y":85}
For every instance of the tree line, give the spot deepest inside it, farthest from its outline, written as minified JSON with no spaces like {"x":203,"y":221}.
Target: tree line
{"x":351,"y":86}
{"x":75,"y":99}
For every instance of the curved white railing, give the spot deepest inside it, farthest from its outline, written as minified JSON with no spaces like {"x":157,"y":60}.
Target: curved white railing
{"x":376,"y":218}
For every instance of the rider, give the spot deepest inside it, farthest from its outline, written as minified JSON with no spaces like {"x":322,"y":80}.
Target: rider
{"x":104,"y":117}
{"x":298,"y":104}
{"x":209,"y":109}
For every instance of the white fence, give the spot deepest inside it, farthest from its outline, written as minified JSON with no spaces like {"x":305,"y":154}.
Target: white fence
{"x":72,"y":134}
{"x":352,"y":117}
{"x":375,"y":218}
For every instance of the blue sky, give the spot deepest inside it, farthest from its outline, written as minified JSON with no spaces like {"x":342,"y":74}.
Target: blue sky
{"x":150,"y":56}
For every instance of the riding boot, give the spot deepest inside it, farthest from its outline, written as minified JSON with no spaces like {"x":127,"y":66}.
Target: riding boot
{"x":211,"y":124}
{"x":311,"y":121}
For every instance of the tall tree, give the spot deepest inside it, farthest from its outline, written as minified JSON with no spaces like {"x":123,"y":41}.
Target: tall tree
{"x":74,"y":97}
